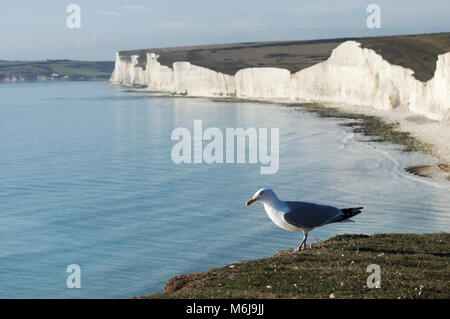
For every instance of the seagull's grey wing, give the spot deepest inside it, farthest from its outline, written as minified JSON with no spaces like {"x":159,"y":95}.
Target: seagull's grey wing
{"x":310,"y":215}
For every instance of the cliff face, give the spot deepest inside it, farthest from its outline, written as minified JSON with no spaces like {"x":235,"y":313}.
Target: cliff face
{"x":127,"y":72}
{"x":361,"y":77}
{"x":352,"y":75}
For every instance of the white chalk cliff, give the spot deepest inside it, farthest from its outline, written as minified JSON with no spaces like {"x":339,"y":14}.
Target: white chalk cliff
{"x":351,"y":75}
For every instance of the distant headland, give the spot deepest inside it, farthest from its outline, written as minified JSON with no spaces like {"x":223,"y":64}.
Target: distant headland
{"x":54,"y":70}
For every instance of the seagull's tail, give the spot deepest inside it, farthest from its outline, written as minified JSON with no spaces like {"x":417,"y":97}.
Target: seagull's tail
{"x":349,"y":213}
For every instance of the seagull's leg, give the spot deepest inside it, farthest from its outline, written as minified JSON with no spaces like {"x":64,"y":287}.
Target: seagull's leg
{"x":301,"y":247}
{"x":304,"y":240}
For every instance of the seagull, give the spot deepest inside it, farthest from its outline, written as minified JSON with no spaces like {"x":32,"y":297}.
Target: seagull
{"x":300,"y":216}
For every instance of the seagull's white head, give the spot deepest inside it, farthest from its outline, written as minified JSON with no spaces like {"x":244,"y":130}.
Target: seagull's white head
{"x":263,"y":195}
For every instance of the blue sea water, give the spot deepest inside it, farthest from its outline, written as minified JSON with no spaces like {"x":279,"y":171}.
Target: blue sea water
{"x":86,"y":178}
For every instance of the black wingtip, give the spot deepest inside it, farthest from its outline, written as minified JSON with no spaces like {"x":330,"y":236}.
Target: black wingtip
{"x":352,"y":209}
{"x":350,"y":212}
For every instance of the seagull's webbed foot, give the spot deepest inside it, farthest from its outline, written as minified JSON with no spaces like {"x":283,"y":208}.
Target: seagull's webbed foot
{"x":300,"y":248}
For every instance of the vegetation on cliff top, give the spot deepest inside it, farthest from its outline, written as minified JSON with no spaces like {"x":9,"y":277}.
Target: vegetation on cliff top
{"x":412,"y":266}
{"x":417,"y":52}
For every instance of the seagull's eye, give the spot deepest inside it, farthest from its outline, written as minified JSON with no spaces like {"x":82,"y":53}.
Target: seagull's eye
{"x":261,"y":193}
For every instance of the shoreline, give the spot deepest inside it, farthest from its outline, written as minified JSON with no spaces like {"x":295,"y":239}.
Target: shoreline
{"x":413,"y":132}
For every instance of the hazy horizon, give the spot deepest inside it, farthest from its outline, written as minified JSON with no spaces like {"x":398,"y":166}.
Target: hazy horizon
{"x":40,"y":32}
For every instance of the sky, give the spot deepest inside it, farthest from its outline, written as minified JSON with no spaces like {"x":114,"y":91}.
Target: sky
{"x":33,"y":30}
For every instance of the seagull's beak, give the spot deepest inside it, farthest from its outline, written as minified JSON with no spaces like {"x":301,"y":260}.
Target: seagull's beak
{"x":250,"y":201}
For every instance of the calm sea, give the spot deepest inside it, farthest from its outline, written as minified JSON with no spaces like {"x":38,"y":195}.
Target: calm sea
{"x":86,"y":178}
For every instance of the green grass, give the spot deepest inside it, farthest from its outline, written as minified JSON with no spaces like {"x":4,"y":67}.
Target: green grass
{"x":73,"y":70}
{"x":412,"y":266}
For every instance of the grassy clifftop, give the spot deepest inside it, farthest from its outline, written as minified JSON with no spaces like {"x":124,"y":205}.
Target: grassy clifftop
{"x":418,"y":52}
{"x":412,"y":266}
{"x":54,"y":70}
